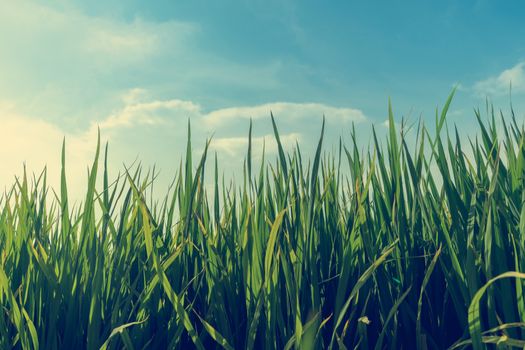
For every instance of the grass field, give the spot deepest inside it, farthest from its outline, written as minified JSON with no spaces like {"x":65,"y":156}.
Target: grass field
{"x":407,"y":245}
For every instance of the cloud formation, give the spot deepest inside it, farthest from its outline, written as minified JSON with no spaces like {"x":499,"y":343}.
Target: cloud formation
{"x":150,"y":113}
{"x":71,"y":67}
{"x":82,"y":38}
{"x":291,"y":111}
{"x":154,"y":132}
{"x":236,"y":146}
{"x":68,"y":73}
{"x":501,"y":84}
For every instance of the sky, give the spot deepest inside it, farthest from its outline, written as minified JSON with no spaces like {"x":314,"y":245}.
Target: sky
{"x":138,"y":71}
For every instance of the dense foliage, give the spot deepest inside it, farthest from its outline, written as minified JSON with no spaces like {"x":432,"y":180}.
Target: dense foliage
{"x":397,"y":247}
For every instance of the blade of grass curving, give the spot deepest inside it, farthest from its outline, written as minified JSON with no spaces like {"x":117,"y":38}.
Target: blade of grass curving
{"x":249,"y":156}
{"x":391,"y":313}
{"x":360,"y":282}
{"x":474,"y":313}
{"x":419,"y":337}
{"x":252,"y":330}
{"x":282,"y":157}
{"x":308,"y":327}
{"x":272,"y":239}
{"x":215,"y":334}
{"x":119,"y":330}
{"x":63,"y":192}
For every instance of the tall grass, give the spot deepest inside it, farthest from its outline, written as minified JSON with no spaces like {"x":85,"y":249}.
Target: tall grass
{"x":403,"y":246}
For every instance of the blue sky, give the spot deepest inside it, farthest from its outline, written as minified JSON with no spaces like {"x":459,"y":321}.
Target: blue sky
{"x":140,"y":69}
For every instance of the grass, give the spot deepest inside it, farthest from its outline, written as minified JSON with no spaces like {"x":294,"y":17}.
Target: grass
{"x":402,"y":246}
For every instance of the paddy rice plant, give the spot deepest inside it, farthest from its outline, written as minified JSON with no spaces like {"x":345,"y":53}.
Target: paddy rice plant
{"x":413,"y":245}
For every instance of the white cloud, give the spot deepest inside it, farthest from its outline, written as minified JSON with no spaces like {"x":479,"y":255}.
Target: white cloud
{"x":150,"y":113}
{"x":32,"y":27}
{"x":134,"y":95}
{"x":500,"y":85}
{"x":284,"y":110}
{"x":386,"y":124}
{"x":174,"y":113}
{"x":234,"y":146}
